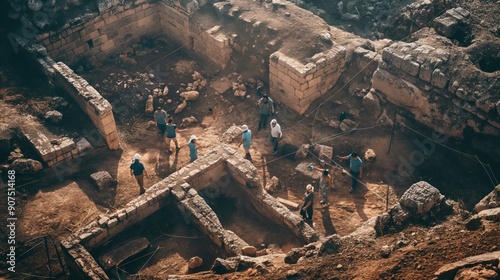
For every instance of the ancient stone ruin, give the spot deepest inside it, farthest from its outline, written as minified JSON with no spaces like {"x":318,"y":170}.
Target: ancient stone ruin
{"x":419,"y":77}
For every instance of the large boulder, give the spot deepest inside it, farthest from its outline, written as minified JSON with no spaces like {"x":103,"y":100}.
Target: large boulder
{"x":26,"y":166}
{"x":222,"y":266}
{"x":54,"y":116}
{"x":188,"y":121}
{"x":324,"y":152}
{"x":103,"y":180}
{"x":302,"y":151}
{"x":249,"y":251}
{"x":190,"y":95}
{"x":372,"y":105}
{"x":492,"y":200}
{"x":420,"y":198}
{"x":231,"y":133}
{"x":330,"y":246}
{"x":195,"y":262}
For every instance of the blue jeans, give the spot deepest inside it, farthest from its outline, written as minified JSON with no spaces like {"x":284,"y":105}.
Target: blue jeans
{"x":354,"y":178}
{"x":275,"y":140}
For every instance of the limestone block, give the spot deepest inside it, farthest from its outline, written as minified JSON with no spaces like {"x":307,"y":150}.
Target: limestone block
{"x":439,"y":79}
{"x":410,"y":67}
{"x":103,"y":180}
{"x":448,"y":271}
{"x":446,"y":26}
{"x":425,"y":72}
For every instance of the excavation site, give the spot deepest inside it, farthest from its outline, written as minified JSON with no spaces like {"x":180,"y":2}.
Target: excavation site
{"x":250,"y":139}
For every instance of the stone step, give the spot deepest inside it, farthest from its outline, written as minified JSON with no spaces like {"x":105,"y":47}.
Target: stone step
{"x":116,"y":256}
{"x":290,"y":204}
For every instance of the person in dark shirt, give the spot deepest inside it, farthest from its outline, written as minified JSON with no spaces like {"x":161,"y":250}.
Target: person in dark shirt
{"x":306,"y":211}
{"x":137,"y":169}
{"x":171,"y":135}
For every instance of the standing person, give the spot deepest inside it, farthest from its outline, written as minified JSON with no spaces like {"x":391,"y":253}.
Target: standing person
{"x":275,"y":135}
{"x":356,"y":167}
{"x":246,"y":140}
{"x":306,"y":211}
{"x":160,"y":117}
{"x":171,"y":134}
{"x":193,"y":151}
{"x":325,"y":182}
{"x":265,"y":109}
{"x":137,"y":169}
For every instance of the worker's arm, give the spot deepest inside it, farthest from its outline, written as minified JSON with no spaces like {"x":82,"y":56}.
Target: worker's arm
{"x":241,"y":142}
{"x":307,"y":205}
{"x":145,"y":172}
{"x":131,"y":172}
{"x":156,"y":123}
{"x":360,"y":172}
{"x":343,"y":158}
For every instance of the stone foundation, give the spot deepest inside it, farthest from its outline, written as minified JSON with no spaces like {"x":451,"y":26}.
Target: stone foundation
{"x":297,"y":85}
{"x":181,"y":188}
{"x":423,"y":80}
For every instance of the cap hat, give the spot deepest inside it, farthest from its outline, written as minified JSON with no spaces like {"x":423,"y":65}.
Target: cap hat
{"x":137,"y":156}
{"x":244,"y":127}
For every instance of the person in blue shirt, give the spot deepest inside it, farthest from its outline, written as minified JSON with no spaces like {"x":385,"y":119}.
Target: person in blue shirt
{"x":265,"y":110}
{"x":160,"y":117}
{"x":356,"y":168}
{"x":246,"y":140}
{"x":137,"y":169}
{"x":193,"y":151}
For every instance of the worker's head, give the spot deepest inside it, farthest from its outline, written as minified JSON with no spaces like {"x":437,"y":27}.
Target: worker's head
{"x":193,"y":139}
{"x":170,"y":120}
{"x":322,"y":163}
{"x":244,"y":127}
{"x":325,"y":172}
{"x":309,"y":188}
{"x":354,"y":155}
{"x":137,"y":157}
{"x":158,"y":109}
{"x":265,"y":98}
{"x":274,"y":122}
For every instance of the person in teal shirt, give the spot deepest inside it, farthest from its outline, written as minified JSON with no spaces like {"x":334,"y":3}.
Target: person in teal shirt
{"x":265,"y":110}
{"x":193,"y":151}
{"x":356,"y":168}
{"x":246,"y":140}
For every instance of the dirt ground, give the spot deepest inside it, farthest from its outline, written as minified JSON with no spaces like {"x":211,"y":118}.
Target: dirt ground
{"x":58,"y":207}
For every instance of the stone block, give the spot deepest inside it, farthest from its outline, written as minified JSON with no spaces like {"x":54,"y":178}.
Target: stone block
{"x":103,"y":180}
{"x":439,"y":79}
{"x":425,"y":73}
{"x":446,"y":26}
{"x":107,"y":45}
{"x":410,"y":67}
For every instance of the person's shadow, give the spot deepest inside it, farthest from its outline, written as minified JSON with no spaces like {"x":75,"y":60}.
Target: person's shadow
{"x":359,"y":198}
{"x":163,"y":167}
{"x":327,"y":222}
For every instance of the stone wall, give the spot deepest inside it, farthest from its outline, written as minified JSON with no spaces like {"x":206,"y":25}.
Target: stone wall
{"x":97,"y":108}
{"x":297,"y":85}
{"x":420,"y":79}
{"x":95,"y":37}
{"x":210,"y":44}
{"x":181,"y":188}
{"x":90,"y":101}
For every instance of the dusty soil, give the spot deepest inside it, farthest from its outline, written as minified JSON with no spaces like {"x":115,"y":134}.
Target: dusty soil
{"x":58,"y":207}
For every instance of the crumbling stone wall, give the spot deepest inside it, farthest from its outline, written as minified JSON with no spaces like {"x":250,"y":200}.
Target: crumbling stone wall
{"x":177,"y":23}
{"x":431,"y":83}
{"x":96,"y":36}
{"x":297,"y":85}
{"x":87,"y":97}
{"x":97,"y":108}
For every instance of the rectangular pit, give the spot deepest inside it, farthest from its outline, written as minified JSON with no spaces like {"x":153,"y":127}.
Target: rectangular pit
{"x":222,"y":166}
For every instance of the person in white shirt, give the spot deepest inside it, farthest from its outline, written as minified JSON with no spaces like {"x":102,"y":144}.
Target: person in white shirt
{"x":275,"y":134}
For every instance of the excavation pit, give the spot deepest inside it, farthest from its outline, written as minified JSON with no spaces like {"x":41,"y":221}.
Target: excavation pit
{"x":172,"y":242}
{"x":221,"y":172}
{"x":237,"y":212}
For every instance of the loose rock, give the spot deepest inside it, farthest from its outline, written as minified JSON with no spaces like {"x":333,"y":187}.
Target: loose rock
{"x":180,"y":107}
{"x":188,"y":121}
{"x":195,"y":262}
{"x":25,"y":166}
{"x":149,"y":105}
{"x":370,"y":155}
{"x":54,"y":116}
